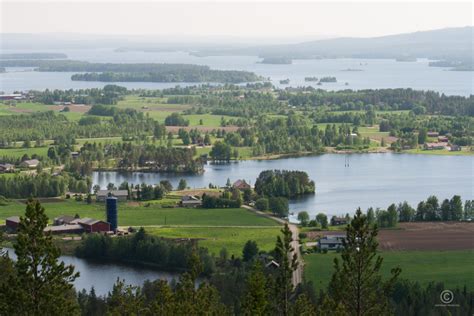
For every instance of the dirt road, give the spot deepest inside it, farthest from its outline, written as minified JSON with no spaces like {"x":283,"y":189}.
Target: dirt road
{"x":298,"y":273}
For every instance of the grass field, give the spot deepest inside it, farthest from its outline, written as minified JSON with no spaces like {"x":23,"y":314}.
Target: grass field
{"x":216,"y":238}
{"x":140,"y":215}
{"x":208,"y":120}
{"x":453,"y":268}
{"x":19,"y":152}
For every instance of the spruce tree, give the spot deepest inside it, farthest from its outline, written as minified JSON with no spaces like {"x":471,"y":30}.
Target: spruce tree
{"x":255,"y":300}
{"x":41,"y":284}
{"x":356,"y":282}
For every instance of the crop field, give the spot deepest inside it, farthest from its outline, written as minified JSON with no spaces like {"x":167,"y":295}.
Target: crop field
{"x":145,"y":214}
{"x":216,"y":238}
{"x":421,"y":236}
{"x":453,"y":268}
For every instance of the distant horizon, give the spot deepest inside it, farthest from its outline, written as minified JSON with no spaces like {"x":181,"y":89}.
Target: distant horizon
{"x":227,"y":38}
{"x":271,"y":21}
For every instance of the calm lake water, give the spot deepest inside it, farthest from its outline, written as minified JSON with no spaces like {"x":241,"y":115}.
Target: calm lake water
{"x":374,"y":74}
{"x":102,"y":276}
{"x":370,"y":180}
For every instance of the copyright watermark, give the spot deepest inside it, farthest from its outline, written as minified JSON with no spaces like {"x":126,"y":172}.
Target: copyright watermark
{"x":446,"y":297}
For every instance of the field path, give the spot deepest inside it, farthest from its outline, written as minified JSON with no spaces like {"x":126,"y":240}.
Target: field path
{"x":298,"y":273}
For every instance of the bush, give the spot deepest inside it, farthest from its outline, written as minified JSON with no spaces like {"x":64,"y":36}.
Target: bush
{"x":279,"y":206}
{"x":262,"y":204}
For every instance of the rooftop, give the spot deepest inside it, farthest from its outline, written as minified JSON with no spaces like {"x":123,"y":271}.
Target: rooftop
{"x":114,"y":192}
{"x":15,"y":219}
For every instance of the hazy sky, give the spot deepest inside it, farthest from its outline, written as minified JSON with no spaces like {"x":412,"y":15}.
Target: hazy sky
{"x":236,"y":19}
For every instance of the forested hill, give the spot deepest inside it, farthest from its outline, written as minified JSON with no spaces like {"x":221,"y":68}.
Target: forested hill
{"x":449,"y":43}
{"x":145,"y":72}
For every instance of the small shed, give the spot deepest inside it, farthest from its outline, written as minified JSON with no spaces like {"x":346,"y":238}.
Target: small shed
{"x":12,"y":223}
{"x":337,"y":221}
{"x":32,"y":163}
{"x":6,"y":167}
{"x":190,"y":201}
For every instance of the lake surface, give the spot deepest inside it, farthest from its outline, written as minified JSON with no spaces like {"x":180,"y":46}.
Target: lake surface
{"x":102,"y":276}
{"x":375,"y":180}
{"x":374,"y":74}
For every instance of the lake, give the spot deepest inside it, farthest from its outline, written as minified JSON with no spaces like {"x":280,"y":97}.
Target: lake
{"x":375,"y":180}
{"x":102,"y":276}
{"x":373,"y":74}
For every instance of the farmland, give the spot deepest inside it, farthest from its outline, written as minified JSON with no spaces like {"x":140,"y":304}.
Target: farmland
{"x":444,"y":236}
{"x":145,"y":214}
{"x":453,"y":268}
{"x":216,"y":238}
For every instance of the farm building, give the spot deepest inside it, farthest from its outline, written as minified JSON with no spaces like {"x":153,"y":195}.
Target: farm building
{"x":190,"y":201}
{"x":65,"y":229}
{"x":6,"y":167}
{"x":435,"y":146}
{"x":336,"y":221}
{"x":454,"y":148}
{"x":13,"y":96}
{"x":32,"y":163}
{"x":241,"y":185}
{"x":91,"y":225}
{"x":12,"y":223}
{"x":432,"y":134}
{"x":102,"y":195}
{"x":331,"y":242}
{"x":63,"y":220}
{"x":443,"y":139}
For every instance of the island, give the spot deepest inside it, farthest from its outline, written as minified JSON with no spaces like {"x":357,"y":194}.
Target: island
{"x":328,"y":79}
{"x":23,"y":56}
{"x":310,"y":79}
{"x":136,"y":72}
{"x":276,"y":60}
{"x":406,"y":59}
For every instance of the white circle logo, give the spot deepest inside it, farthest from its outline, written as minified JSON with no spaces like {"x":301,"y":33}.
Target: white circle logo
{"x":446,"y":296}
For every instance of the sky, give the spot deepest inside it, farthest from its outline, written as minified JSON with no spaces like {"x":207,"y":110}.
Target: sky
{"x":264,"y":19}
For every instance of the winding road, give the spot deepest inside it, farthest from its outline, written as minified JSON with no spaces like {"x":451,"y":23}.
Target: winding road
{"x":298,"y":273}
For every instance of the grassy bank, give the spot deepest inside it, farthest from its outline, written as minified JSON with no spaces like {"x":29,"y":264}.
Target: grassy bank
{"x":453,"y":268}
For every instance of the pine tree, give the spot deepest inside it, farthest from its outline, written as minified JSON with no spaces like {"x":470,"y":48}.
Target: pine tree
{"x":356,"y":282}
{"x":287,"y":265}
{"x":41,"y":285}
{"x":255,"y":300}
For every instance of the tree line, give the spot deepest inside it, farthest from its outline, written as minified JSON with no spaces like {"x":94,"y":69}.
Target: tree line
{"x":42,"y":185}
{"x":144,"y":248}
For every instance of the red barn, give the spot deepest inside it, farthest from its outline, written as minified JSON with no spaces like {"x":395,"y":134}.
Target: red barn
{"x":91,"y":225}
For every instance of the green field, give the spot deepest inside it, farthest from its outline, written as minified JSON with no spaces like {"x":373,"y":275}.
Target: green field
{"x":208,"y":120}
{"x":453,"y":268}
{"x":19,"y":152}
{"x":216,"y":238}
{"x":131,"y":215}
